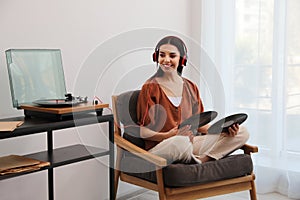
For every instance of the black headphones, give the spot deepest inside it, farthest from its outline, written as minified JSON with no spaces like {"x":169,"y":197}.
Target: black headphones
{"x":183,"y":58}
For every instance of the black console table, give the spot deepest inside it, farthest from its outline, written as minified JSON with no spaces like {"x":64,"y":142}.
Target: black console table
{"x":66,"y":155}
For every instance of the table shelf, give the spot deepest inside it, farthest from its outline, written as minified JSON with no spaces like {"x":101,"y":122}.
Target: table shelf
{"x":69,"y":154}
{"x":63,"y":156}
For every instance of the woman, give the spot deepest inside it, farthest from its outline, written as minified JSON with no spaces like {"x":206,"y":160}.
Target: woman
{"x":167,"y":99}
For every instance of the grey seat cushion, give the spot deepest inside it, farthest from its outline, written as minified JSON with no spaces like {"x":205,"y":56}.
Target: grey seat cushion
{"x":182,"y":174}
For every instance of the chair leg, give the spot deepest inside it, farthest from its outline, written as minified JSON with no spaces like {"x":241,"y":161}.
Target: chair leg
{"x":160,"y":184}
{"x":117,"y":176}
{"x":253,"y":191}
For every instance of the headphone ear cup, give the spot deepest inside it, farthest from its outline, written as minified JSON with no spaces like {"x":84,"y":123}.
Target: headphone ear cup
{"x":183,"y":61}
{"x":154,"y":57}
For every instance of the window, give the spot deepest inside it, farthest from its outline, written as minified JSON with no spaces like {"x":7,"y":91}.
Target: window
{"x":256,"y":47}
{"x":292,"y":106}
{"x":253,"y":66}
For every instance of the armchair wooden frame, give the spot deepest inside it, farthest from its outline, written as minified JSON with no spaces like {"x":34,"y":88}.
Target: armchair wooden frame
{"x":165,"y":193}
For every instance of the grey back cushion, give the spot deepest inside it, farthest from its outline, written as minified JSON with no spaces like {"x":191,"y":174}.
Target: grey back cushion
{"x":127,"y":114}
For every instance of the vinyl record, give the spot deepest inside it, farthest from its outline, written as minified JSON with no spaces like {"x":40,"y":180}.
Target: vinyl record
{"x":199,"y":120}
{"x":223,"y":124}
{"x":56,"y":102}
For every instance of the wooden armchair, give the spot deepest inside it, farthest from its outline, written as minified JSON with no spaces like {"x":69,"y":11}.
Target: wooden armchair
{"x":174,"y":181}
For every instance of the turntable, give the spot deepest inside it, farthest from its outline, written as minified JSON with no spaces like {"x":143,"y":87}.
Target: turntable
{"x":38,"y":86}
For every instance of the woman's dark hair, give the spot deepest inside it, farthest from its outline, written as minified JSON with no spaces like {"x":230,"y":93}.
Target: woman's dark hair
{"x":177,"y":42}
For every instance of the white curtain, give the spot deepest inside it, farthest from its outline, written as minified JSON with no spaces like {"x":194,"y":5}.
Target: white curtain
{"x":255,"y":45}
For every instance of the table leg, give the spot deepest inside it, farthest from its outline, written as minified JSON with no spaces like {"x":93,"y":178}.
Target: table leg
{"x":111,"y":160}
{"x":50,"y":184}
{"x":50,"y":170}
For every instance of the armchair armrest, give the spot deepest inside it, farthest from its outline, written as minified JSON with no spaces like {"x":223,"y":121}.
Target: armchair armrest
{"x":123,"y":143}
{"x":249,"y":149}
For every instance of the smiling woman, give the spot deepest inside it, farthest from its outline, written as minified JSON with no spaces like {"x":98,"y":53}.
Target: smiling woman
{"x":159,"y":112}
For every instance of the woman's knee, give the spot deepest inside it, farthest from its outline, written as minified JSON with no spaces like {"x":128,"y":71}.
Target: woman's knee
{"x":182,"y":143}
{"x":243,"y":134}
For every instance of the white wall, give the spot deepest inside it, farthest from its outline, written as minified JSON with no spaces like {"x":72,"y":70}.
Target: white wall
{"x":89,"y":33}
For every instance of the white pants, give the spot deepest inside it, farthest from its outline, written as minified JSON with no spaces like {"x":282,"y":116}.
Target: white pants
{"x":179,"y":148}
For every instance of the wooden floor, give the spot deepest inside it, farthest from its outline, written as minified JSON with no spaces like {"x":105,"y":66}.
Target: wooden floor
{"x":150,"y":195}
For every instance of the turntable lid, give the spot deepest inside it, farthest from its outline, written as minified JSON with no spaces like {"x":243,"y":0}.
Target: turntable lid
{"x":35,"y":74}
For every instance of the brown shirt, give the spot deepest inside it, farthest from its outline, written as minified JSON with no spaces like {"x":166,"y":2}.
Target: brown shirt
{"x":156,"y":112}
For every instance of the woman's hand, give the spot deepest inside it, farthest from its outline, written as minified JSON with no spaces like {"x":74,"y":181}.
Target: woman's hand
{"x":232,"y":131}
{"x":173,"y":132}
{"x":186,"y":131}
